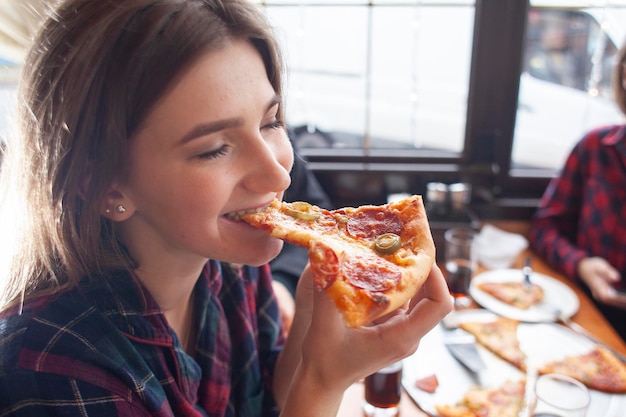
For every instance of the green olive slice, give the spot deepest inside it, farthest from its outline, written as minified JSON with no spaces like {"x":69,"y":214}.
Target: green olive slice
{"x":302,"y":211}
{"x":387,"y":243}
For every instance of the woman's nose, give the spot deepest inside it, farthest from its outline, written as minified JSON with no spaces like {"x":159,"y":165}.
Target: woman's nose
{"x":270,"y":165}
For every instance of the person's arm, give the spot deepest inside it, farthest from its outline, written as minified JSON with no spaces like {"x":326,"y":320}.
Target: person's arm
{"x":555,"y":223}
{"x":554,"y":230}
{"x":323,"y":357}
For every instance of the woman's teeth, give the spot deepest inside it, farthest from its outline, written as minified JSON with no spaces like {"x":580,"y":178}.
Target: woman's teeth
{"x":236,"y":215}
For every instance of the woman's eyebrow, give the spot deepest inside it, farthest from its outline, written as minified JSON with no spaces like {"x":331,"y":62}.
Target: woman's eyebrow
{"x":212,"y":127}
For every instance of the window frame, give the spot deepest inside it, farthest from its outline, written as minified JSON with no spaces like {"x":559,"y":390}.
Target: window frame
{"x":499,"y":190}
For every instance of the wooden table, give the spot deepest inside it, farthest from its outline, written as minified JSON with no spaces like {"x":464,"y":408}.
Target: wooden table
{"x":587,"y":316}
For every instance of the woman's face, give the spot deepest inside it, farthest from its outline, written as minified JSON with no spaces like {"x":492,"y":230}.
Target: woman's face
{"x":211,"y":146}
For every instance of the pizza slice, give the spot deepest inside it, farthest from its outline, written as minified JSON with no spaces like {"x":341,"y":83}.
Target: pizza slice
{"x":369,"y":259}
{"x":515,"y":293}
{"x":598,"y":369}
{"x":500,"y":337}
{"x":506,"y":400}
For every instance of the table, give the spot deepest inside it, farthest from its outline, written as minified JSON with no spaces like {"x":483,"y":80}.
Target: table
{"x":587,"y":316}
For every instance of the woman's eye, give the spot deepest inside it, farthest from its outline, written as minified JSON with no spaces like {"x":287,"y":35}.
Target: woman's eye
{"x":275,"y":124}
{"x":214,"y":154}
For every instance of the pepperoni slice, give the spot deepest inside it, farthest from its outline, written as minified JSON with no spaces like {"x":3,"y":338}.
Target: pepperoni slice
{"x":372,"y":222}
{"x":370,"y":273}
{"x":428,"y":384}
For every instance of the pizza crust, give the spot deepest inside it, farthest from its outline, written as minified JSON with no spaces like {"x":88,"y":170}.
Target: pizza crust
{"x":598,"y":369}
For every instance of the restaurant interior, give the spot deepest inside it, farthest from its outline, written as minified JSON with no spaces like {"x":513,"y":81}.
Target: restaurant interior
{"x":464,"y":102}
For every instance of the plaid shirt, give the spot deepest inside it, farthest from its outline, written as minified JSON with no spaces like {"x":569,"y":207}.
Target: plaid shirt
{"x":583,"y":211}
{"x":105,"y":349}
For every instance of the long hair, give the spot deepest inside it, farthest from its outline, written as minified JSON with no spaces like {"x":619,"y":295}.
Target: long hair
{"x":94,"y":72}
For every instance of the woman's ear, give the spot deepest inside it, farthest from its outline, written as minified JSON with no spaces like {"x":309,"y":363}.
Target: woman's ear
{"x":116,"y":206}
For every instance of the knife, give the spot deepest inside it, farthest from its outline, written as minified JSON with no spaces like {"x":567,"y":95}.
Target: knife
{"x":462,"y":346}
{"x":527,"y":271}
{"x":565,"y":321}
{"x":559,"y":317}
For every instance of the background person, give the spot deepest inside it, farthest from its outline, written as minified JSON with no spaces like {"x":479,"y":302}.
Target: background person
{"x":144,"y":126}
{"x":557,"y":50}
{"x":579,"y":226}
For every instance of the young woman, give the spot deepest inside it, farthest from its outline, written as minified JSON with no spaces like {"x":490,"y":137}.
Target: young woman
{"x":144,"y":126}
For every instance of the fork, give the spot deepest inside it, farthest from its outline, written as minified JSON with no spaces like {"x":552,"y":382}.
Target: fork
{"x":561,"y":318}
{"x":527,"y":271}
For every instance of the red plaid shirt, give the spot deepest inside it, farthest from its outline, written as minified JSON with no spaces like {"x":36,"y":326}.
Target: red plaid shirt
{"x":105,"y":349}
{"x":583,"y":210}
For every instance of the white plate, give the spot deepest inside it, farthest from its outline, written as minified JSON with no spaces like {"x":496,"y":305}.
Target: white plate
{"x":542,"y":342}
{"x":555,"y":293}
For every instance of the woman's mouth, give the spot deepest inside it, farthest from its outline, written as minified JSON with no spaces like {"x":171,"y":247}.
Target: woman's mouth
{"x":236,"y":215}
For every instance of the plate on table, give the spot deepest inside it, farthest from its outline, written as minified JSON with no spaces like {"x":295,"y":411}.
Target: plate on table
{"x":541,"y":342}
{"x":556,"y":294}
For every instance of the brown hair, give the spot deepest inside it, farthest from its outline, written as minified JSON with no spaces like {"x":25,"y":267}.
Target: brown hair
{"x":94,"y":72}
{"x":619,"y":84}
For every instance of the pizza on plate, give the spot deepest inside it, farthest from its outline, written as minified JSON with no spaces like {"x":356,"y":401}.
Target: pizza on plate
{"x":506,"y":400}
{"x":369,"y":259}
{"x":598,"y":369}
{"x":515,"y":293}
{"x":500,"y":337}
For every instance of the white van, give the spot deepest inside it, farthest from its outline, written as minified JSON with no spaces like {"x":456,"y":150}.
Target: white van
{"x":557,"y":105}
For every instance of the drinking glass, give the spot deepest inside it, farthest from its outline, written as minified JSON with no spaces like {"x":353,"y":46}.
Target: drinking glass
{"x":560,"y":396}
{"x":460,"y":262}
{"x":383,"y":391}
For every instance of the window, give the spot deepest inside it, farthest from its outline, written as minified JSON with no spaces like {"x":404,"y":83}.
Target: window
{"x":385,"y":96}
{"x":374,"y":72}
{"x":377,"y":91}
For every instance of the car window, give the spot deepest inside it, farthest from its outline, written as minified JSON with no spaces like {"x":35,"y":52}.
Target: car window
{"x":565,"y":86}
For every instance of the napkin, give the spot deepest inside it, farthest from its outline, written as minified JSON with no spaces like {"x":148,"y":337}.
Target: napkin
{"x":496,"y":248}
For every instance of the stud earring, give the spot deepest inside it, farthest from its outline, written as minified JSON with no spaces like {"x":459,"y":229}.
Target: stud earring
{"x":121,"y":209}
{"x":107,"y":211}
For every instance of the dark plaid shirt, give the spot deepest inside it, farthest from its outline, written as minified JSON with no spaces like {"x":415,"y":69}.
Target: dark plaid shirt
{"x":583,"y":211}
{"x":105,"y":349}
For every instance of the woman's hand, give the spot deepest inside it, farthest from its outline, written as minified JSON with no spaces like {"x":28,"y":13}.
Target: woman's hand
{"x":348,"y":354}
{"x":601,"y":278}
{"x":332,"y":356}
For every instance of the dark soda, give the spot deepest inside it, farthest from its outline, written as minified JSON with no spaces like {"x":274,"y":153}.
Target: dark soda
{"x":383,"y":389}
{"x":458,"y":276}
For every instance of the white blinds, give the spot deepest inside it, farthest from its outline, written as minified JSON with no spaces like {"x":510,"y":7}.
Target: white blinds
{"x":18,"y":21}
